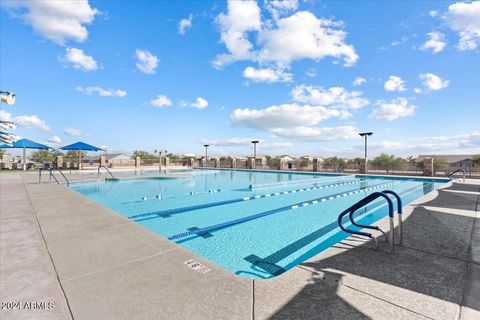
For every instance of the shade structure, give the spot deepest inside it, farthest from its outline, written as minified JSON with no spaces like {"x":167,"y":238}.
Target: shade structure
{"x":81,"y":146}
{"x":25,"y":144}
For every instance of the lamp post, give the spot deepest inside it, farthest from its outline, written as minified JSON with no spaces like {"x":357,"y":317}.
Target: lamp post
{"x":206,"y":153}
{"x":206,"y":150}
{"x":365,"y":134}
{"x":255,"y":152}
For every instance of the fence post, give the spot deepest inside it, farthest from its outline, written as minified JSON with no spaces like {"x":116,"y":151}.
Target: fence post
{"x":103,"y":161}
{"x":167,"y":161}
{"x":59,"y":161}
{"x":137,"y":162}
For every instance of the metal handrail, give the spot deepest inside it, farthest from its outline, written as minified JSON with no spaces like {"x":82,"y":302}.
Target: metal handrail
{"x":456,"y":171}
{"x":371,"y":197}
{"x":51,"y":174}
{"x":98,"y":171}
{"x":64,"y":177}
{"x":400,"y":214}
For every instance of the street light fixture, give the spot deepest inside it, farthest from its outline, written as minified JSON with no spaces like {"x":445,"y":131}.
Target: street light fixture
{"x":206,"y":151}
{"x":365,"y":134}
{"x":254,"y":152}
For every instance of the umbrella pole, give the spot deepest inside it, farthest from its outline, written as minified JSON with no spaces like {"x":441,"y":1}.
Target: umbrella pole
{"x":24,"y":164}
{"x":79,"y":159}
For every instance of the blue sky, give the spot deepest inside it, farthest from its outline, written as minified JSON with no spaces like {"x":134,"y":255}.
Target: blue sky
{"x":303,"y":77}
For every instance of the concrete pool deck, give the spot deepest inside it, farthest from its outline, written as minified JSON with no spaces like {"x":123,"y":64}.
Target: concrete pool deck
{"x":58,"y":246}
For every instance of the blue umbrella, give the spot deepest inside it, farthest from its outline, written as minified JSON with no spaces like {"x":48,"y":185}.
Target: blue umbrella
{"x":81,"y":146}
{"x":25,"y":144}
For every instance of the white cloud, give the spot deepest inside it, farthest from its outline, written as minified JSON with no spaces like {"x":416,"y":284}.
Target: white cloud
{"x":394,"y":83}
{"x":433,"y":82}
{"x":335,"y":97}
{"x":72,"y":132}
{"x":436,"y":42}
{"x":146,"y":61}
{"x":231,"y":142}
{"x":242,"y":17}
{"x":359,"y":81}
{"x":267,"y":75}
{"x":161,"y":101}
{"x":79,"y":60}
{"x":276,"y":145}
{"x":58,"y":21}
{"x":311,"y":73}
{"x":30,"y":122}
{"x":54,"y":140}
{"x":317,"y":133}
{"x":418,"y":90}
{"x":185,"y":24}
{"x":278,"y":8}
{"x":200,"y":103}
{"x":314,"y":38}
{"x":294,"y":122}
{"x":397,"y":108}
{"x":23,"y":121}
{"x":5,"y":116}
{"x":455,"y":144}
{"x":433,"y":13}
{"x":464,"y":18}
{"x":102,"y":92}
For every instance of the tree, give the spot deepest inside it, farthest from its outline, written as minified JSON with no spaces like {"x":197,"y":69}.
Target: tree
{"x":43,"y":156}
{"x":476,"y":160}
{"x":304,"y":162}
{"x":384,"y":161}
{"x":2,"y":152}
{"x":74,"y":155}
{"x":439,"y":164}
{"x":335,"y":163}
{"x":143,"y":155}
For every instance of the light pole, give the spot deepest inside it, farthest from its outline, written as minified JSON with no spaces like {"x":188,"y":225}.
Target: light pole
{"x":365,"y":134}
{"x":206,"y":151}
{"x":255,"y":152}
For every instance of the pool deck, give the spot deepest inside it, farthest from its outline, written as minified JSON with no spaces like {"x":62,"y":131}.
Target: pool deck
{"x":58,"y":246}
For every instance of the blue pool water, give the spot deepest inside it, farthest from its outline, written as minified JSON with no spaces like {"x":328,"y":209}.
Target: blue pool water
{"x":255,"y":224}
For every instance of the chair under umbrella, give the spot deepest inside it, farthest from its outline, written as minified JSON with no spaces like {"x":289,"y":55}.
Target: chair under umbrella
{"x":81,"y":146}
{"x":25,"y":144}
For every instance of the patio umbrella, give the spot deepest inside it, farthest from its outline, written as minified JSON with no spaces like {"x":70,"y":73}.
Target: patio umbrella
{"x":25,"y":144}
{"x":80,"y":146}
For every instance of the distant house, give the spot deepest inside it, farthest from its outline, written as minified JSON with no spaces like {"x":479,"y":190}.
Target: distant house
{"x":455,"y":161}
{"x":286,"y":158}
{"x":118,"y":160}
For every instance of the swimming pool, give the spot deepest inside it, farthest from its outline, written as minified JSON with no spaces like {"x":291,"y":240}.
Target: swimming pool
{"x":256,"y":224}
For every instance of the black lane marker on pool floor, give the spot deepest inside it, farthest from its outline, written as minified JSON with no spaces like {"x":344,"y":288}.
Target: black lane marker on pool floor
{"x":169,"y":212}
{"x":286,"y":208}
{"x":269,"y":263}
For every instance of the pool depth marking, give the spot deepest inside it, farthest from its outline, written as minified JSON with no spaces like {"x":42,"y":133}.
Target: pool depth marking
{"x":169,"y":212}
{"x":266,"y":213}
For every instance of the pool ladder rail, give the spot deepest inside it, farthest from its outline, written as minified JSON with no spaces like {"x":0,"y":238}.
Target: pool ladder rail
{"x":362,"y":203}
{"x":451,"y":174}
{"x":52,"y":175}
{"x":109,"y":172}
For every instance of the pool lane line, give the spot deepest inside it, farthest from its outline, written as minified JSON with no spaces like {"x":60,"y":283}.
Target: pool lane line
{"x":159,"y":196}
{"x":281,"y":209}
{"x":269,"y":263}
{"x":168,"y":212}
{"x":304,"y":181}
{"x":251,"y":187}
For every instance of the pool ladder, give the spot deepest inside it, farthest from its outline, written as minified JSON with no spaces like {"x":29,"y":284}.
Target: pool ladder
{"x":457,"y":171}
{"x":362,"y":203}
{"x":98,"y":172}
{"x":52,"y":175}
